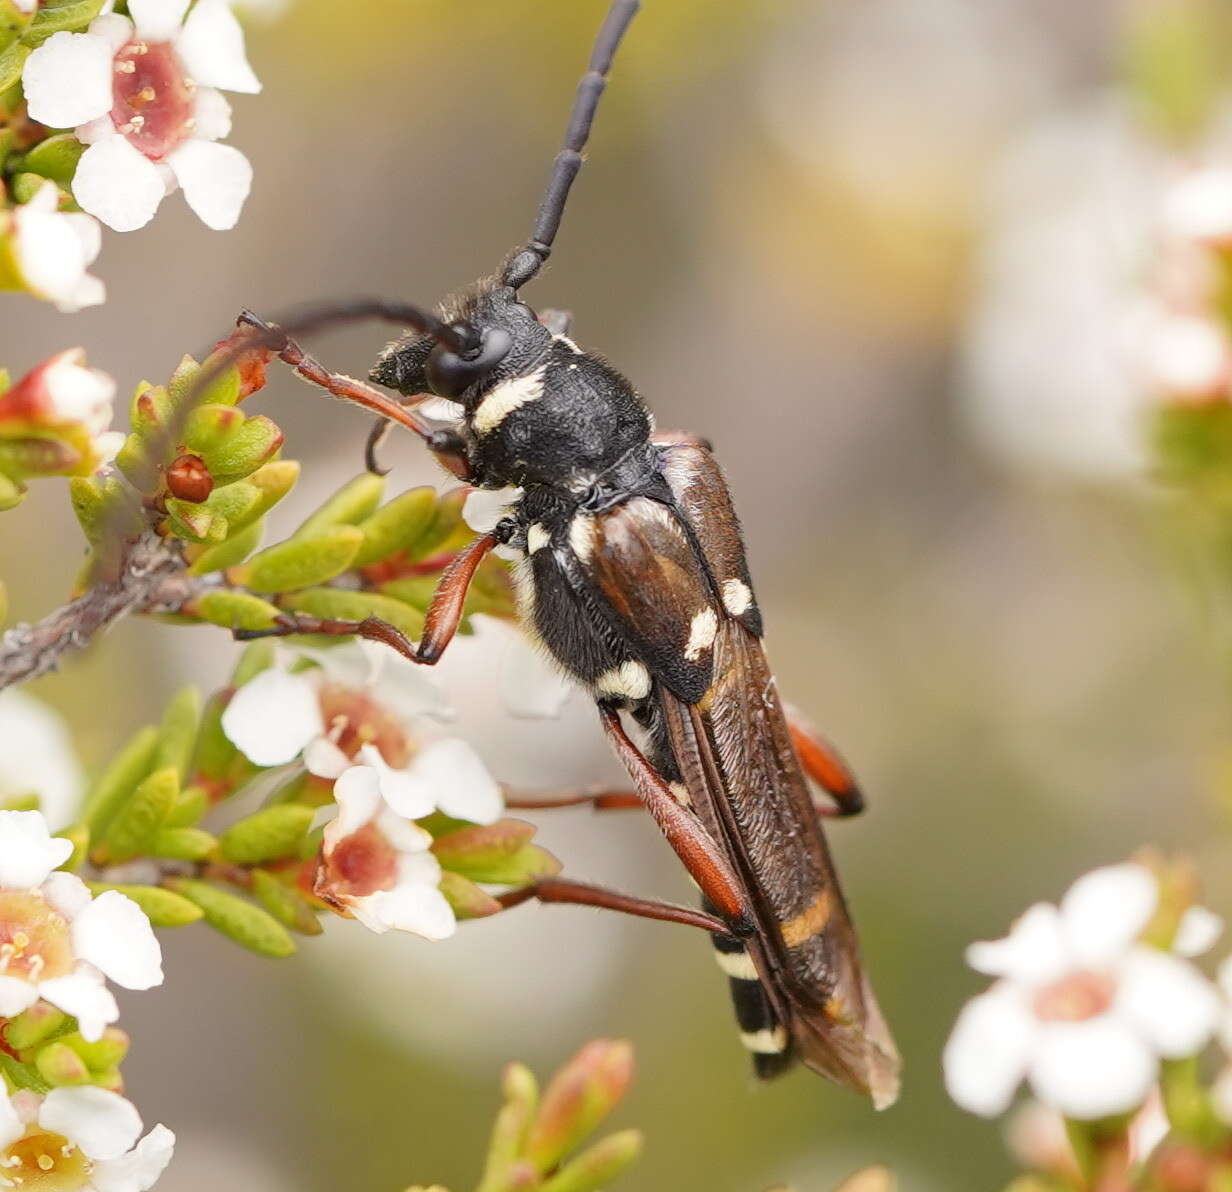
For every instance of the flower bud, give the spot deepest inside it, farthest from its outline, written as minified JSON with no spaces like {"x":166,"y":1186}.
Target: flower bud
{"x":189,"y":479}
{"x":596,"y":1167}
{"x":59,"y":1064}
{"x":34,"y":1025}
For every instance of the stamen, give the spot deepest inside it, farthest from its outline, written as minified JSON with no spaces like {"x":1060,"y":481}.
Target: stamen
{"x":146,"y":94}
{"x":125,"y":66}
{"x":46,"y":1162}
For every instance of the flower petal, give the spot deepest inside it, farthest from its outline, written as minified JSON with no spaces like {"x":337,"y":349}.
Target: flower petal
{"x":1169,"y":1001}
{"x":114,"y":935}
{"x":1033,"y":952}
{"x":403,"y":790}
{"x":83,"y":995}
{"x":211,"y":46}
{"x":1197,"y":931}
{"x":987,"y":1052}
{"x":272,"y":717}
{"x":28,"y":852}
{"x":406,"y":837}
{"x":67,"y":893}
{"x":212,"y":113}
{"x":324,"y":759}
{"x":531,"y":684}
{"x":114,"y":29}
{"x":1105,"y":910}
{"x":52,"y":255}
{"x":216,"y":180}
{"x":157,"y":20}
{"x":16,"y":995}
{"x":11,"y":1125}
{"x":456,"y":780}
{"x":1092,"y":1069}
{"x":358,"y":795}
{"x":417,"y":908}
{"x":138,"y":1170}
{"x":484,"y":507}
{"x":102,"y":1123}
{"x":38,"y":755}
{"x":67,"y":80}
{"x":118,"y":184}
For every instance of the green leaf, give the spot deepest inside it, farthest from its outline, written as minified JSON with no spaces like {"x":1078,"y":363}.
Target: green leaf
{"x":150,"y":409}
{"x":39,"y":1023}
{"x":22,"y":1076}
{"x":140,"y":816}
{"x":303,"y":562}
{"x":208,"y":427}
{"x":55,"y":15}
{"x":267,"y":835}
{"x":352,"y":503}
{"x":285,"y":903}
{"x":230,"y":552}
{"x":55,"y":158}
{"x":474,"y":851}
{"x":344,"y":604}
{"x":396,"y":525}
{"x":61,"y":1066}
{"x":466,"y":898}
{"x":446,"y":531}
{"x":526,"y":865}
{"x":244,"y":449}
{"x":248,"y":925}
{"x":195,"y":523}
{"x":192,"y":804}
{"x":257,"y":656}
{"x":596,"y":1167}
{"x":12,"y":492}
{"x":513,"y":1122}
{"x":178,"y":732}
{"x":238,"y":502}
{"x":414,"y":590}
{"x":102,"y":1054}
{"x":119,"y":779}
{"x":12,"y":59}
{"x":221,"y":390}
{"x":233,"y":610}
{"x":215,"y":755}
{"x":183,"y":844}
{"x":274,"y":480}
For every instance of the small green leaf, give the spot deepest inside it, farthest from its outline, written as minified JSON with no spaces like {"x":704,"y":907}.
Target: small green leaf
{"x":208,"y":427}
{"x":183,"y":844}
{"x":446,"y":530}
{"x":119,"y":779}
{"x":61,"y":1066}
{"x":221,"y":390}
{"x":195,"y":523}
{"x":596,"y":1167}
{"x":266,"y":835}
{"x":230,"y":552}
{"x":345,"y":604}
{"x":238,"y":920}
{"x":55,"y":158}
{"x":40,"y":1022}
{"x":244,"y":449}
{"x":178,"y":731}
{"x":274,"y":480}
{"x":53,"y":16}
{"x":257,"y":656}
{"x":102,"y":1054}
{"x":192,"y":804}
{"x":22,"y":1076}
{"x":140,"y":816}
{"x":238,"y":502}
{"x":351,"y":504}
{"x":528,"y":864}
{"x":215,"y":755}
{"x":233,"y":610}
{"x":12,"y":59}
{"x":164,"y":908}
{"x":473,"y":851}
{"x":285,"y":903}
{"x":413,"y":590}
{"x":150,"y":409}
{"x":303,"y":562}
{"x":466,"y":898}
{"x":12,"y":492}
{"x":513,"y":1122}
{"x":396,"y":525}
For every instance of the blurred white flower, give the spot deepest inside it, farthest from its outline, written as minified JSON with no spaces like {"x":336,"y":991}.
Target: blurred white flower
{"x":58,"y":943}
{"x":1082,"y":1010}
{"x":1188,"y":357}
{"x":1199,"y":206}
{"x":143,"y":95}
{"x":374,"y":863}
{"x":53,"y":251}
{"x":37,"y":757}
{"x":86,"y":1139}
{"x":1037,"y":1137}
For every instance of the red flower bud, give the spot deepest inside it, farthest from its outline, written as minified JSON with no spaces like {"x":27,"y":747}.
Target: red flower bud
{"x":189,"y":479}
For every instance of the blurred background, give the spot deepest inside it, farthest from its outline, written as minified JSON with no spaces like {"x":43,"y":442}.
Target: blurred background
{"x":878,"y":252}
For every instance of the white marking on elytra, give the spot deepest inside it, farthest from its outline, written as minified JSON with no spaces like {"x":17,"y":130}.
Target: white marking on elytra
{"x":507,"y":397}
{"x":768,"y":1041}
{"x":681,"y":793}
{"x":582,"y":536}
{"x":537,"y":537}
{"x":736,"y":964}
{"x":701,"y":634}
{"x":629,"y":680}
{"x":736,"y":596}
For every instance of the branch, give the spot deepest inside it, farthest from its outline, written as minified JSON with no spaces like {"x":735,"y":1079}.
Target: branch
{"x":30,"y":650}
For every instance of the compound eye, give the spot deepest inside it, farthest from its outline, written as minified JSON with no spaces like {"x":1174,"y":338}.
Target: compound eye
{"x":451,"y":374}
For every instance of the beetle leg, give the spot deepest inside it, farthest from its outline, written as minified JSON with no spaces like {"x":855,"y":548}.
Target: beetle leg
{"x":555,"y":889}
{"x":824,"y":765}
{"x":690,"y":841}
{"x":440,"y":623}
{"x":680,"y":438}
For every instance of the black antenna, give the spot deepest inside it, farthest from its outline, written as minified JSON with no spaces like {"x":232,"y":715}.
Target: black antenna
{"x":529,"y":260}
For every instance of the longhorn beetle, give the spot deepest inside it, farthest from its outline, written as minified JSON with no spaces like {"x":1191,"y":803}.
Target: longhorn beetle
{"x":630,"y":570}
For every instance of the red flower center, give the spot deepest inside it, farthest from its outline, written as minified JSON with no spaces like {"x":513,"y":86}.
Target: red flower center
{"x":153,"y":97}
{"x":1075,"y":998}
{"x":358,"y":865}
{"x":35,"y":942}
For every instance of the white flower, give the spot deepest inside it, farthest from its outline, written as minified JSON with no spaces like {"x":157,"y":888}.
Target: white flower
{"x":86,"y":1139}
{"x":58,"y":943}
{"x":374,"y":863}
{"x":1188,"y":357}
{"x":37,"y":757}
{"x":1082,"y":1010}
{"x":143,"y":95}
{"x":52,"y":251}
{"x":1199,"y":205}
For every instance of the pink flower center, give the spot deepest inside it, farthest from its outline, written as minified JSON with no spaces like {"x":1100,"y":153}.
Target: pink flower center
{"x":35,"y":943}
{"x":153,"y":97}
{"x":1075,"y":998}
{"x":44,"y":1162}
{"x":359,"y":865}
